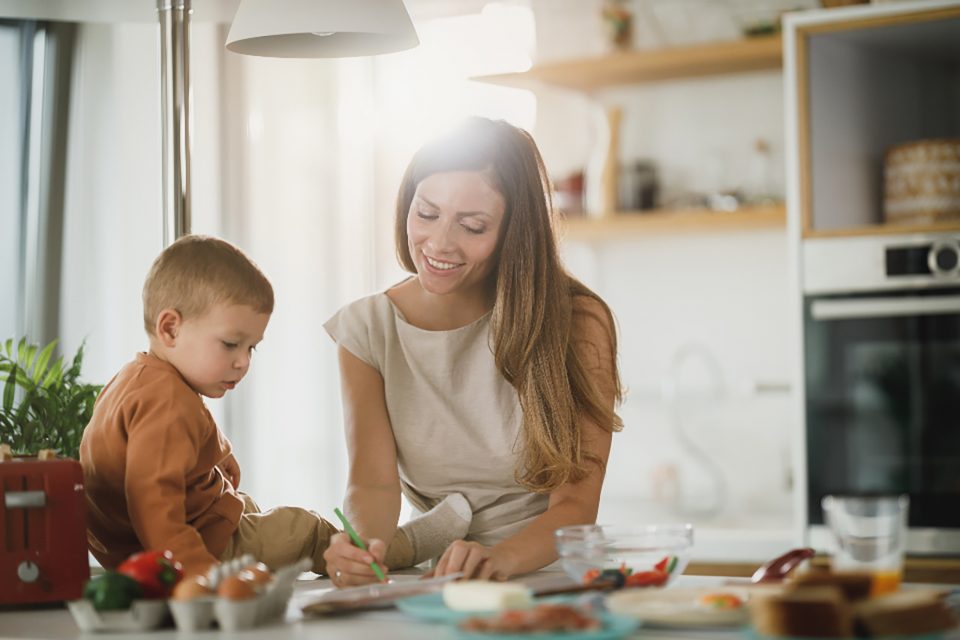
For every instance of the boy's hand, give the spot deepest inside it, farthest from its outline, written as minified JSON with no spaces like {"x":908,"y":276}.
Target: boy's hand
{"x":231,"y":468}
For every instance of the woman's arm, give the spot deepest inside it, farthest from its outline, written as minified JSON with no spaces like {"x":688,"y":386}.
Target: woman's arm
{"x":372,"y":503}
{"x":574,"y":503}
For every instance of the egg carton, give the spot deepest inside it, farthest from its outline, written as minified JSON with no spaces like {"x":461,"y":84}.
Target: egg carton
{"x":235,"y":615}
{"x":141,"y":616}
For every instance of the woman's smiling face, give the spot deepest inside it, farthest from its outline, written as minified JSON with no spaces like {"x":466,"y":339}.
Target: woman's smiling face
{"x":453,"y":228}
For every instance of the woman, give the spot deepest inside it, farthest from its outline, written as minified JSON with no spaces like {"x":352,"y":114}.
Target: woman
{"x":491,"y":372}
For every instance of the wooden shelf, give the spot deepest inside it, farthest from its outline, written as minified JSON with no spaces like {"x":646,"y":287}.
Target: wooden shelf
{"x":623,"y":224}
{"x":632,"y":67}
{"x":884,"y":230}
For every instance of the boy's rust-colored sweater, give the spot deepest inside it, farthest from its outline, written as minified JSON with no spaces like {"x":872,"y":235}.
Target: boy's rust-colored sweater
{"x":149,"y":457}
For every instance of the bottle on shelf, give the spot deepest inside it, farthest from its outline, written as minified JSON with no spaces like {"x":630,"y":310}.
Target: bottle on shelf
{"x":600,"y":193}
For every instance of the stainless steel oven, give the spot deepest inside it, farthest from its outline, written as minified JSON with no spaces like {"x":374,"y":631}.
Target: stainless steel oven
{"x":881,"y":356}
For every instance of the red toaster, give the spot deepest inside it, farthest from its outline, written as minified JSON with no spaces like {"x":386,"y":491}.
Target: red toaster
{"x":43,"y":538}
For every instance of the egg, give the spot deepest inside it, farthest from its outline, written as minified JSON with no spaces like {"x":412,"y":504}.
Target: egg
{"x":192,"y":587}
{"x":720,"y":600}
{"x":236,"y":588}
{"x":259,"y":574}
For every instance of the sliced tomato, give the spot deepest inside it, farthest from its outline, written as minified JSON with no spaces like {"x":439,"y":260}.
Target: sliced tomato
{"x":590,"y":575}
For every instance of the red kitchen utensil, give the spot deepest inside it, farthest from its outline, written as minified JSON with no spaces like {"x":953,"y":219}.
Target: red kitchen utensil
{"x":781,"y":566}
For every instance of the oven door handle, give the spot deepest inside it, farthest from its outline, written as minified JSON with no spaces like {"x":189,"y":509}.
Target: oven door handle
{"x":883,"y":307}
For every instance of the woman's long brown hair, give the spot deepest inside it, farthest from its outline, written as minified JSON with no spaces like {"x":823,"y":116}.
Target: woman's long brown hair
{"x":534,"y":300}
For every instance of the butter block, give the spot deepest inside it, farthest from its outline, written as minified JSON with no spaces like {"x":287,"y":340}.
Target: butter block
{"x":481,"y":595}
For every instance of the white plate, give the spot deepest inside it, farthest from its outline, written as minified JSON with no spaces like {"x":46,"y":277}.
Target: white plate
{"x":679,"y":607}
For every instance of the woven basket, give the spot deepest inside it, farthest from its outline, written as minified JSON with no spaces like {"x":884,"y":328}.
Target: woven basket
{"x":922,"y":182}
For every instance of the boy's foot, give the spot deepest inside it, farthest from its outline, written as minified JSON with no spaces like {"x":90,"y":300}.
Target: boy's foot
{"x":431,"y":533}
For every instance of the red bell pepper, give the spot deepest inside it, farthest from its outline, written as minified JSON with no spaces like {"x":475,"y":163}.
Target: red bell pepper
{"x":655,"y":578}
{"x":155,"y":571}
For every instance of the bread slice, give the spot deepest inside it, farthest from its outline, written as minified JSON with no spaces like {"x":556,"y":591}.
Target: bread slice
{"x":811,"y":612}
{"x":855,"y":585}
{"x":905,"y":613}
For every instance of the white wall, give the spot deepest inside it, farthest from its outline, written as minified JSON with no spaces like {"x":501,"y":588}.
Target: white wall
{"x":716,"y":296}
{"x":288,"y":173}
{"x":10,"y":114}
{"x":683,"y":303}
{"x":113,"y":226}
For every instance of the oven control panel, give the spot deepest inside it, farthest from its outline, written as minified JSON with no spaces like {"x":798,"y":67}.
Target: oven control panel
{"x":880,"y":263}
{"x":939,"y":259}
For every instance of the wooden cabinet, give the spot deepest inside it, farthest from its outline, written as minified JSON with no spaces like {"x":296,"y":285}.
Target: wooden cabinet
{"x":591,"y":75}
{"x":859,"y":82}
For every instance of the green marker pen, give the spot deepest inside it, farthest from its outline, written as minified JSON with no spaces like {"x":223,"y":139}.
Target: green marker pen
{"x":357,"y":541}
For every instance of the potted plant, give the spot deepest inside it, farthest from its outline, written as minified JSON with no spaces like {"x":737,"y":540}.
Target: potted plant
{"x":44,"y":405}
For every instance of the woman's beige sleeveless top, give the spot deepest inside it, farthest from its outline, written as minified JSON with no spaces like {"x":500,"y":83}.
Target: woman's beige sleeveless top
{"x":455,"y":419}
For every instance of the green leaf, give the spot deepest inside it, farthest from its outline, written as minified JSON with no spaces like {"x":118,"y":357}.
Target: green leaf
{"x":40,"y":368}
{"x":44,"y":405}
{"x":74,"y":371}
{"x":55,"y":375}
{"x":9,"y":389}
{"x":29,"y":356}
{"x":23,"y":379}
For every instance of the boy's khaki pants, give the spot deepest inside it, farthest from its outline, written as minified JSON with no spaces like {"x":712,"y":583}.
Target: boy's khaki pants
{"x":281,"y":536}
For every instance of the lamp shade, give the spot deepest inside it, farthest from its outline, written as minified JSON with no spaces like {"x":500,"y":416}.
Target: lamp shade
{"x":320,"y":28}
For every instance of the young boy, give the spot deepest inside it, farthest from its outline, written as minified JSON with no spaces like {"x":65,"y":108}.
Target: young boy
{"x":159,"y":473}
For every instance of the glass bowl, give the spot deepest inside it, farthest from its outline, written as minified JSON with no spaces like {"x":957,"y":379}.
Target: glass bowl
{"x":631,"y":556}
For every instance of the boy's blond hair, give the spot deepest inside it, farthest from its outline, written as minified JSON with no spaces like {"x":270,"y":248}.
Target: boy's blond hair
{"x":195,"y":273}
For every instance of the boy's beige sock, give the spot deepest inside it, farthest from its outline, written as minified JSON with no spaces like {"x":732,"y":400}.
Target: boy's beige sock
{"x":427,"y":536}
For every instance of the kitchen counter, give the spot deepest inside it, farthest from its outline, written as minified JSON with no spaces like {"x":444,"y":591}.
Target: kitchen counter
{"x":390,"y":623}
{"x":739,"y":552}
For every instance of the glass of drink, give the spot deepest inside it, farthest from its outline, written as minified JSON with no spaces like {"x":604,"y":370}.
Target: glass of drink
{"x":869,"y":535}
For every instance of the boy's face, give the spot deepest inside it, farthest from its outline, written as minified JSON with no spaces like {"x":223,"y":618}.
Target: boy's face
{"x":213,"y":351}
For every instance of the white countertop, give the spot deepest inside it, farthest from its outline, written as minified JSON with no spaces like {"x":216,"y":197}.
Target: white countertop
{"x":741,"y":545}
{"x":390,"y":623}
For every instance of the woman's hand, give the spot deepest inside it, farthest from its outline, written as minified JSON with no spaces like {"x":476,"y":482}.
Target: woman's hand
{"x":349,"y":566}
{"x":475,"y":561}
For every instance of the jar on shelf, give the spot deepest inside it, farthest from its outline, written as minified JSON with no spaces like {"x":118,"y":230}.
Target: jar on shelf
{"x":638,"y":186}
{"x":618,"y":23}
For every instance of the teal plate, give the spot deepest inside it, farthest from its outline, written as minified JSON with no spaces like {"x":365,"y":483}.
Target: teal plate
{"x":614,"y":627}
{"x":430,"y":607}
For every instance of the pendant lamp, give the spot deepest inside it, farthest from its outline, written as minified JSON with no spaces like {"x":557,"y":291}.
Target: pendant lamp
{"x":320,"y":28}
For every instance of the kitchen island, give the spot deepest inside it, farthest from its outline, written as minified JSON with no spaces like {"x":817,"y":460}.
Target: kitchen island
{"x":387,"y":623}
